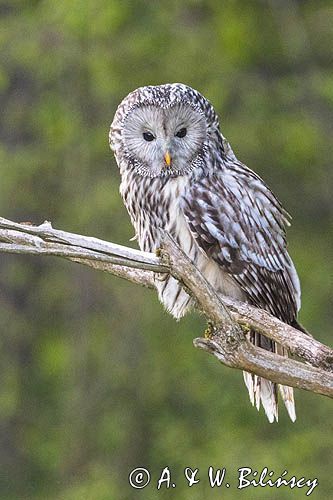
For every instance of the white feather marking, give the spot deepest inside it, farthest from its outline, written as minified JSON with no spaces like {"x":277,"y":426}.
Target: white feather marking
{"x":221,"y":281}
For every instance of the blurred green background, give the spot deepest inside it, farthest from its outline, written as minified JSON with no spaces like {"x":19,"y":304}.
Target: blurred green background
{"x":96,"y":378}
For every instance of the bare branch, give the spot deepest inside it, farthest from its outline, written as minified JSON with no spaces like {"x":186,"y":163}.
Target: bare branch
{"x":228,"y":342}
{"x":44,"y":240}
{"x":279,"y":369}
{"x":304,"y":346}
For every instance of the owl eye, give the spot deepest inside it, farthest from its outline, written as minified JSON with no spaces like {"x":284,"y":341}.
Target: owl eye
{"x":148,"y":136}
{"x":181,"y":133}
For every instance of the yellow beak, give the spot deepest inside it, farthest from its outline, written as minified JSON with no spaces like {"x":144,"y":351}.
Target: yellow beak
{"x":167,"y":158}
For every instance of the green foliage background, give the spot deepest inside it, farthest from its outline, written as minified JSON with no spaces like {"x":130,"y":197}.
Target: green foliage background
{"x":95,"y":378}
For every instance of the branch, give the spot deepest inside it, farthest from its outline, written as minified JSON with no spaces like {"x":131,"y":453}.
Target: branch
{"x":124,"y":262}
{"x":228,"y":343}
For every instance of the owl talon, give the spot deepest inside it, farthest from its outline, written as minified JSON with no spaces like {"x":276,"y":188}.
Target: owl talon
{"x":209,"y":332}
{"x":246,"y":329}
{"x":158,"y":252}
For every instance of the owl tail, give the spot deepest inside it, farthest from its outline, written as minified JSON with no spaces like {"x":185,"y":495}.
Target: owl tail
{"x":264,"y":391}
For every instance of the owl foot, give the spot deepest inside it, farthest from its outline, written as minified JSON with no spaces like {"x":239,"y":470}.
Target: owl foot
{"x":158,"y":252}
{"x":209,"y":332}
{"x":246,"y":329}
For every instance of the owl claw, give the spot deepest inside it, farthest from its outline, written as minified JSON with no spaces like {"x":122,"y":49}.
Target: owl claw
{"x":158,"y":252}
{"x":246,"y":329}
{"x":209,"y":332}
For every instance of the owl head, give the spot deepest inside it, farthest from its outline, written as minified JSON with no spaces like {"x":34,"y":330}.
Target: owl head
{"x":163,"y":130}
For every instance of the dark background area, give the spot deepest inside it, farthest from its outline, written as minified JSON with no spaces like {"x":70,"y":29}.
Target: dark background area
{"x":96,"y":378}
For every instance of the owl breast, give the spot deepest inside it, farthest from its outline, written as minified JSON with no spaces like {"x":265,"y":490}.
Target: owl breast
{"x":154,"y":206}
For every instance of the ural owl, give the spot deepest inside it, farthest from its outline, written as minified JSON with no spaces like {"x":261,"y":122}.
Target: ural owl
{"x":179,"y":174}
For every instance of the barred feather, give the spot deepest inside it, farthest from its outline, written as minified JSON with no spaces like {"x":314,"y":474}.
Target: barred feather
{"x":221,"y":213}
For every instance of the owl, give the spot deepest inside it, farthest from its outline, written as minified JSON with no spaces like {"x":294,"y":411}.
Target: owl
{"x":180,"y":175}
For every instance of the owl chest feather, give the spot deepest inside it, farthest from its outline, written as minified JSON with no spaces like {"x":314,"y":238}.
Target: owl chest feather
{"x":154,"y":206}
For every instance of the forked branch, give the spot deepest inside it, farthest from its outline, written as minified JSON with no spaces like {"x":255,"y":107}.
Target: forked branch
{"x":228,"y":342}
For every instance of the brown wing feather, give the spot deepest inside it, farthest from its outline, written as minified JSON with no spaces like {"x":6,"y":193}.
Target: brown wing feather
{"x":238,"y":222}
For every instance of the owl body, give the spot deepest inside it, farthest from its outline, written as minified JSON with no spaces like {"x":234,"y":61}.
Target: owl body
{"x":162,"y":210}
{"x":180,"y":175}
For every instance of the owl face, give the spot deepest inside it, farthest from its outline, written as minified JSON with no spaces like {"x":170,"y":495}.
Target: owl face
{"x":164,"y":141}
{"x":162,"y":130}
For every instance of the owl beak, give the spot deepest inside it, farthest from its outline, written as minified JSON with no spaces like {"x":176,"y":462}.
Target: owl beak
{"x":167,"y":159}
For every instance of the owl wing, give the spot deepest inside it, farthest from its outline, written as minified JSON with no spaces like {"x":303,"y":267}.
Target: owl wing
{"x":239,"y":223}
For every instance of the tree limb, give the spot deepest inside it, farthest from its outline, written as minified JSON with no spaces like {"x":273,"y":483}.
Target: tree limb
{"x":228,"y":342}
